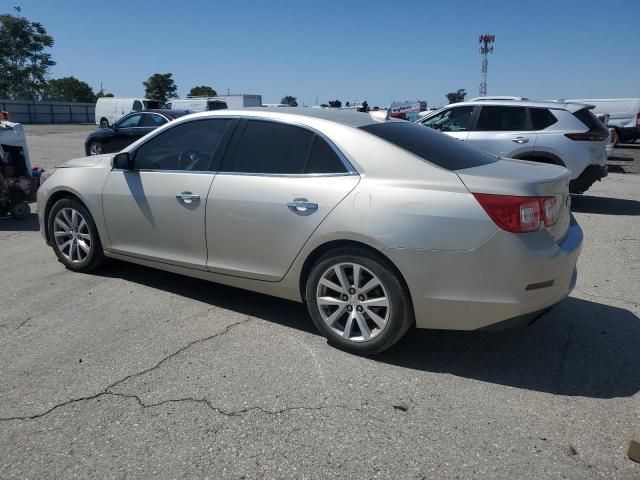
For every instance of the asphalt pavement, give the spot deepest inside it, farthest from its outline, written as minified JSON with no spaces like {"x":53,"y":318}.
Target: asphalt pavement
{"x":135,"y":373}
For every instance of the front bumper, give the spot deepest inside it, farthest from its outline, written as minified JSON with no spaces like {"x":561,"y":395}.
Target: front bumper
{"x":474,"y":289}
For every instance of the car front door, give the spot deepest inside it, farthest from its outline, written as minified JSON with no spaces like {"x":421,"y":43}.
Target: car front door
{"x":454,"y":121}
{"x":156,"y":210}
{"x":124,"y":132}
{"x":504,"y":131}
{"x":277,"y":184}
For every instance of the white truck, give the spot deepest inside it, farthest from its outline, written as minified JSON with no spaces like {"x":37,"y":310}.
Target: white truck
{"x":624,"y":115}
{"x":110,"y":109}
{"x":202,"y":104}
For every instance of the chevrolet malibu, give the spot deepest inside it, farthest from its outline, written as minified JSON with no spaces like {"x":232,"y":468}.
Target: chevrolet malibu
{"x":376,"y":225}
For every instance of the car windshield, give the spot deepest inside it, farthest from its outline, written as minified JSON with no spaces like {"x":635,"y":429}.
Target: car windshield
{"x":432,"y":146}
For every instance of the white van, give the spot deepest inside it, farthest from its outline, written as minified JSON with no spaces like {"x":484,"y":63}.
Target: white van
{"x":624,"y":115}
{"x":196,"y":104}
{"x":111,"y":109}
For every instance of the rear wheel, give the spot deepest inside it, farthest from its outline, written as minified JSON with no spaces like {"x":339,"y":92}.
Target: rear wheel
{"x":74,"y":236}
{"x":357,"y":301}
{"x":20,"y":210}
{"x":104,"y":123}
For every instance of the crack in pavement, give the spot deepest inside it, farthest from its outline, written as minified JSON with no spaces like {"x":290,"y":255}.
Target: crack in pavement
{"x":106,"y":390}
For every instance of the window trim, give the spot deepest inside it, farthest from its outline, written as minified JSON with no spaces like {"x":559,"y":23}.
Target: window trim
{"x":234,"y":143}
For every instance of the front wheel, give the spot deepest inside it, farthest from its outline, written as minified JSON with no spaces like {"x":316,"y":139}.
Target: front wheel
{"x":74,"y":236}
{"x":358,"y":302}
{"x":96,"y":148}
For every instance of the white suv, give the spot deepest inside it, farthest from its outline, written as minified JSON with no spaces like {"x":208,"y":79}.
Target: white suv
{"x":566,"y":134}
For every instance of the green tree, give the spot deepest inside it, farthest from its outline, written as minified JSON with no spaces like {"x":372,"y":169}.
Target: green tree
{"x":101,"y":94}
{"x":202,"y":91}
{"x":24,"y":62}
{"x":68,"y":89}
{"x":457,"y":96}
{"x":290,"y":100}
{"x":160,"y":86}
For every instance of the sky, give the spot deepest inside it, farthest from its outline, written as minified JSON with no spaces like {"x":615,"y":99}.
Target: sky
{"x":379,"y":51}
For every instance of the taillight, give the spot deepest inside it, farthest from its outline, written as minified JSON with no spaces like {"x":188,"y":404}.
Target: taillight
{"x":638,"y":121}
{"x":519,"y":214}
{"x":590,"y":136}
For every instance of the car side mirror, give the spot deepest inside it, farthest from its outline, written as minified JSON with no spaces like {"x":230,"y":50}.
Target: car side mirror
{"x":122,"y":161}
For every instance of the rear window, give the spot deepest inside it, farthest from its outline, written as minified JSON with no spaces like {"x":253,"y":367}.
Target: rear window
{"x":432,"y":146}
{"x":152,"y":104}
{"x":589,"y":119}
{"x":542,"y":118}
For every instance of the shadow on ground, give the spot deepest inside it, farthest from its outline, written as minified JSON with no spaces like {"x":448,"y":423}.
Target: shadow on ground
{"x":29,"y":224}
{"x":604,"y":205}
{"x":580,"y":348}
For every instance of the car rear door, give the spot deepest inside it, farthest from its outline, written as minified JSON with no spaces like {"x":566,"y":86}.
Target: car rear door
{"x":276,"y":185}
{"x":156,"y":210}
{"x":454,"y":121}
{"x":504,"y":131}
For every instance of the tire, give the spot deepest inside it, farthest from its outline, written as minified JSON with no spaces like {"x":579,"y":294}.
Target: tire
{"x":374,"y":327}
{"x":20,"y":210}
{"x":104,"y":123}
{"x":96,"y":148}
{"x":72,"y":234}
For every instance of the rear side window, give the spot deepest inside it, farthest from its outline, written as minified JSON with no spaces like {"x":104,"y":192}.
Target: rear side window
{"x":434,"y":147}
{"x":500,"y":119}
{"x":324,"y":159}
{"x":542,"y":118}
{"x":589,"y":119}
{"x":151,"y":120}
{"x":270,"y":147}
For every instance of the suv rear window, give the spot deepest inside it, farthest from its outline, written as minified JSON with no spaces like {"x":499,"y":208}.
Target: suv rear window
{"x":432,"y":146}
{"x":589,"y":119}
{"x":542,"y":118}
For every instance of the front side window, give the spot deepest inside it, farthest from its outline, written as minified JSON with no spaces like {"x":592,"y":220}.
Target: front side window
{"x":271,"y":147}
{"x":129,"y":122}
{"x":501,"y":119}
{"x":187,"y":146}
{"x":152,"y":120}
{"x":457,"y":119}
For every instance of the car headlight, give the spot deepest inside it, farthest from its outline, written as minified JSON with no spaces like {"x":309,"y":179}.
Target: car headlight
{"x":46,"y":174}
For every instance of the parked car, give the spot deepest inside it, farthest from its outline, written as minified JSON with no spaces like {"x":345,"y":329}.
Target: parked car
{"x":624,"y":115}
{"x":566,"y":134}
{"x":110,"y":109}
{"x":376,"y":225}
{"x":196,"y":104}
{"x":127,"y":130}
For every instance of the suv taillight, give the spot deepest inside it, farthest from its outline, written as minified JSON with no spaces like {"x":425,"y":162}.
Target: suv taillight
{"x":638,"y":121}
{"x":590,"y":136}
{"x":519,"y":214}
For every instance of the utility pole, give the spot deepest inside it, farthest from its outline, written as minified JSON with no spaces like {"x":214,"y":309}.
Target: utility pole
{"x":486,"y":47}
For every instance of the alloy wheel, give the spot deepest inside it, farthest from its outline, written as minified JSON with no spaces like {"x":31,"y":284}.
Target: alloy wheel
{"x":95,"y":148}
{"x":71,"y":234}
{"x":353,"y":302}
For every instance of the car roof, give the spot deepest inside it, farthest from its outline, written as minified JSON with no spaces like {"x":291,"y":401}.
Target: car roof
{"x":558,"y":105}
{"x":346,"y":117}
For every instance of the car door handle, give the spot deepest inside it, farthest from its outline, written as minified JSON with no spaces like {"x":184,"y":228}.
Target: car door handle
{"x":187,"y":197}
{"x":520,"y":140}
{"x":302,"y":206}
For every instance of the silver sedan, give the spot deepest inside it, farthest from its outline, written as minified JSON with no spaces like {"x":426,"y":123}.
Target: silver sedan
{"x":377,"y":225}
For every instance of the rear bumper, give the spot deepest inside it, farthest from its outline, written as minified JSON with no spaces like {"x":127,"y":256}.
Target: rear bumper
{"x":588,"y":177}
{"x":482,"y":287}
